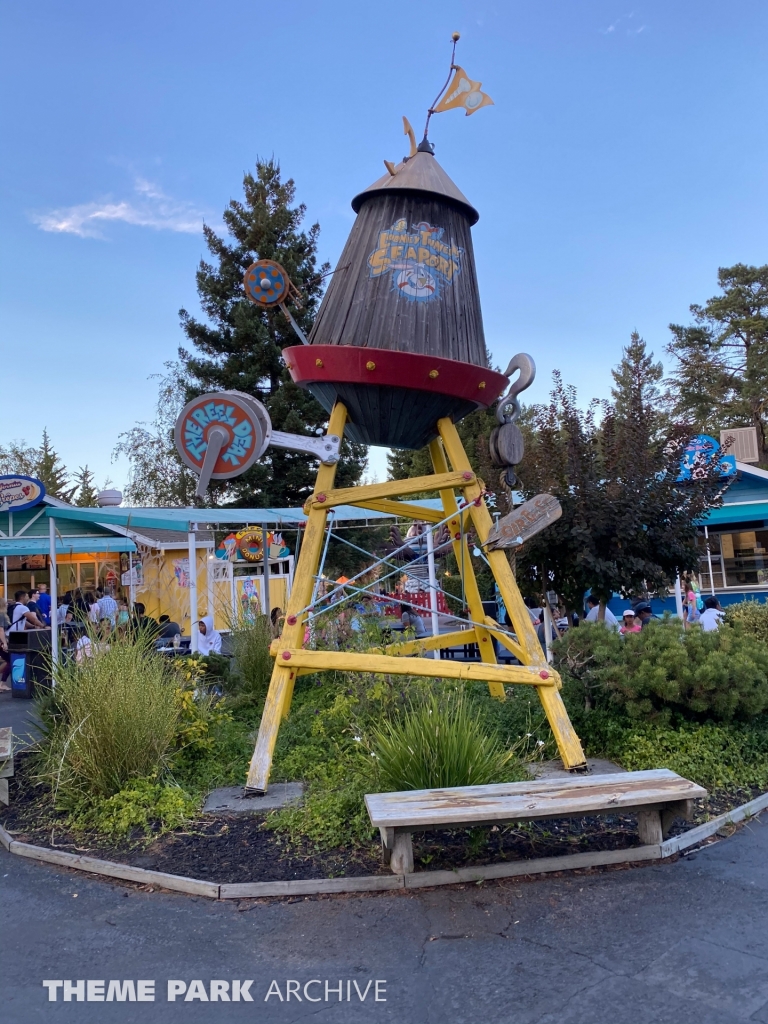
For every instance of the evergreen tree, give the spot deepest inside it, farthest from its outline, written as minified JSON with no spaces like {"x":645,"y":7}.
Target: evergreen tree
{"x":722,"y":358}
{"x":239,"y":346}
{"x":86,"y":493}
{"x":51,"y":470}
{"x":636,"y":390}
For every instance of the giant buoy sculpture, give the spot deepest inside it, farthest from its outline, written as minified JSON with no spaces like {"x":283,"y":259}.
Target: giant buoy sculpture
{"x":396,"y":356}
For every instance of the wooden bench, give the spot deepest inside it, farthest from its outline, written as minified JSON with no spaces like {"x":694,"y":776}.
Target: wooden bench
{"x":657,"y":797}
{"x":6,"y":762}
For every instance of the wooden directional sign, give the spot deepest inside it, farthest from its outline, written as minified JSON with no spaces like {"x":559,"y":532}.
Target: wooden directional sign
{"x":524,"y":522}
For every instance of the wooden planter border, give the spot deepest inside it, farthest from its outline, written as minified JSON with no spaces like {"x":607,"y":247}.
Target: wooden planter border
{"x":379,"y":883}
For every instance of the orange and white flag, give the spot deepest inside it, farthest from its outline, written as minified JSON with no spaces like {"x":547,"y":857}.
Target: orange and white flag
{"x":463,"y":93}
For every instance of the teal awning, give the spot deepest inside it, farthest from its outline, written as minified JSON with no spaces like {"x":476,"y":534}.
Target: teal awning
{"x":737,"y":512}
{"x":101,"y":544}
{"x":27,"y":532}
{"x":186,"y":519}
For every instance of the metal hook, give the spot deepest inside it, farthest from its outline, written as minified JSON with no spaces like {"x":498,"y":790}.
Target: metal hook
{"x":525,"y":364}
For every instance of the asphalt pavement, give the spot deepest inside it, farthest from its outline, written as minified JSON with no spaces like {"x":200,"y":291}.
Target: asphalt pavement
{"x":682,"y":943}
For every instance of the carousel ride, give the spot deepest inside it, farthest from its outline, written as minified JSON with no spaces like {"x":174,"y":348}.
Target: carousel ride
{"x":397,"y":357}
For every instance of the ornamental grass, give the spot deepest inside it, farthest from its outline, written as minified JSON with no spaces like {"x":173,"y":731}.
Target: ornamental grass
{"x":437,"y":745}
{"x":111,"y":719}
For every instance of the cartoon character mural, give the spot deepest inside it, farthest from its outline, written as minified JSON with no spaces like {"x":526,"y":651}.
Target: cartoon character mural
{"x":420,"y":262}
{"x":250,"y":601}
{"x":247,"y":546}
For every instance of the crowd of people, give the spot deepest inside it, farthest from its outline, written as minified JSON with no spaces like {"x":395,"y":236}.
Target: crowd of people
{"x":87,"y":617}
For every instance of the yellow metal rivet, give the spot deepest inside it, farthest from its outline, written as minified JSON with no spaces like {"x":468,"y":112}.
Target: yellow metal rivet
{"x":370,"y":366}
{"x":318,"y":362}
{"x":434,"y":373}
{"x":481,"y":384}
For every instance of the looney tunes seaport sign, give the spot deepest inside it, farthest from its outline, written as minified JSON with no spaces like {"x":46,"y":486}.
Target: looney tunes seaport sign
{"x":420,"y":262}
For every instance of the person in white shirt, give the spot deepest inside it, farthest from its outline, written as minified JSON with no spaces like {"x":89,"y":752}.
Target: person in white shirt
{"x":107,"y":606}
{"x":83,"y":649}
{"x":208,"y":639}
{"x":712,"y":615}
{"x":23,"y":618}
{"x":594,"y":609}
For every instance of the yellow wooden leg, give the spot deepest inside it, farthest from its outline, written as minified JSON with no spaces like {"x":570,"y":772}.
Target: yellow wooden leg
{"x":568,"y":742}
{"x":461,"y":551}
{"x":281,"y":684}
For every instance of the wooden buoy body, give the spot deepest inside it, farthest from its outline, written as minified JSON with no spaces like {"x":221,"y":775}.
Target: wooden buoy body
{"x":404,"y":307}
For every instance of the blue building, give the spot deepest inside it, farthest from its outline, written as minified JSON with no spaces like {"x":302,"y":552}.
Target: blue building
{"x":733,"y":541}
{"x":736,"y":535}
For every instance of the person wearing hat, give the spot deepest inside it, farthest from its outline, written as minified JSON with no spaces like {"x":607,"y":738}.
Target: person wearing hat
{"x":643,"y":613}
{"x":629,"y":622}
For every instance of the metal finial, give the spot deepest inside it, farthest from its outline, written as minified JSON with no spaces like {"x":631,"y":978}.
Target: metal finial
{"x":455,"y":37}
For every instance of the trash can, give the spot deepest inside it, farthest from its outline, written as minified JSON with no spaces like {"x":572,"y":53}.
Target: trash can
{"x":29,"y":652}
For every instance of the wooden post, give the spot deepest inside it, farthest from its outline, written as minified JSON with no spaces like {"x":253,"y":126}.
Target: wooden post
{"x":649,"y":825}
{"x":281,"y":685}
{"x":401,"y":857}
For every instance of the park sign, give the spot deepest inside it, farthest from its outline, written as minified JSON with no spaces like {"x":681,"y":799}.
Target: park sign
{"x":20,"y":492}
{"x":700,"y":451}
{"x":524,"y":522}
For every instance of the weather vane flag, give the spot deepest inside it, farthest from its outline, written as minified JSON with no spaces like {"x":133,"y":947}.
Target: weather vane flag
{"x":459,"y":92}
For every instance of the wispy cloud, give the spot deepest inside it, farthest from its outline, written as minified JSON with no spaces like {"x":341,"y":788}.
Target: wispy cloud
{"x":620,"y":25}
{"x":148,"y":207}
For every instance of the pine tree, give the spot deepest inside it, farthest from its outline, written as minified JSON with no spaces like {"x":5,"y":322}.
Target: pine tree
{"x":51,"y":470}
{"x":636,"y":379}
{"x":722,"y":358}
{"x":84,"y":488}
{"x":240,"y":346}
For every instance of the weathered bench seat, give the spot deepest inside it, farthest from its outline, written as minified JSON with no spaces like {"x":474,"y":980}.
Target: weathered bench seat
{"x":657,"y":797}
{"x":6,"y":762}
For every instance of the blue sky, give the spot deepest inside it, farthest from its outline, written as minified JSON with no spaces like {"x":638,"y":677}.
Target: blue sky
{"x":623,"y":162}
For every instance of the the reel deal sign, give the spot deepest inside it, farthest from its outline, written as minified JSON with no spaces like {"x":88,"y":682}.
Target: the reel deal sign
{"x":20,"y":492}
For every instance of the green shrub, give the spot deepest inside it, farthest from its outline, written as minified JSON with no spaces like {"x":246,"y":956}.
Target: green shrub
{"x":111,"y":719}
{"x":439,"y":744}
{"x":252,"y":661}
{"x":664,"y":671}
{"x":715,"y":756}
{"x":751,"y":617}
{"x":141,"y":804}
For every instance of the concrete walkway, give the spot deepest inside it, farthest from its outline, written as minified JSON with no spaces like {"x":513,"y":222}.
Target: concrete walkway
{"x":20,"y":715}
{"x":683,"y":943}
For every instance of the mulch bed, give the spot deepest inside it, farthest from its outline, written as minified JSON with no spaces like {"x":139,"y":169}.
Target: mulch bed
{"x":237,"y":848}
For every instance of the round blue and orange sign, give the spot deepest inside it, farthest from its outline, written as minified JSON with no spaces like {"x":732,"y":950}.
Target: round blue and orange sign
{"x":266,"y":283}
